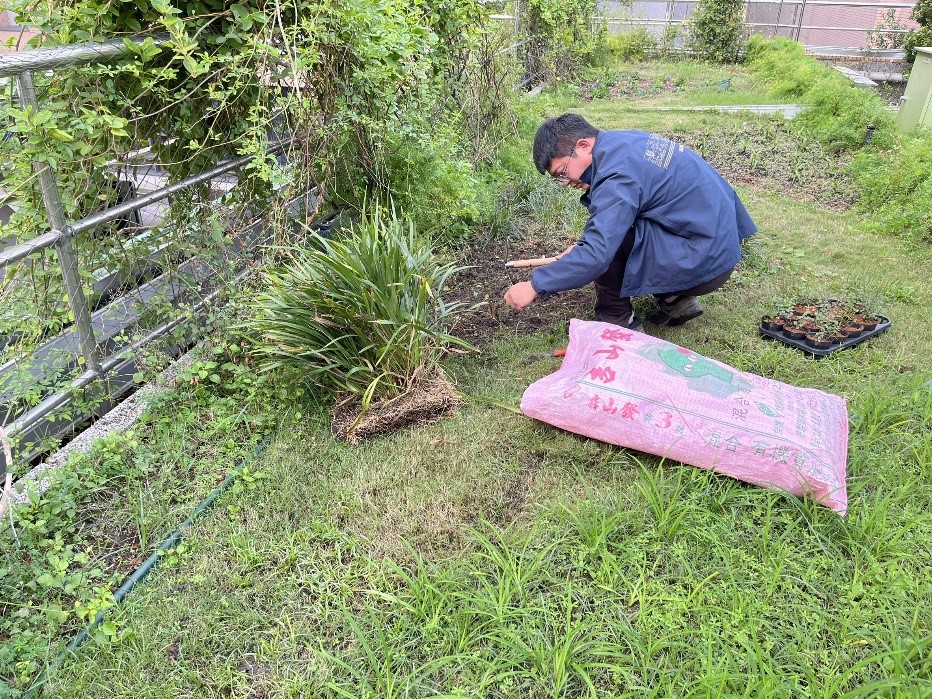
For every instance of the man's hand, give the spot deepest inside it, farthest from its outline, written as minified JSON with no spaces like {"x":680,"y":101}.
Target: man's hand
{"x":520,"y":295}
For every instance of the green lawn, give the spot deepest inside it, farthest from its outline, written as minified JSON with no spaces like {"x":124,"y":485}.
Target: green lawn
{"x":489,"y":555}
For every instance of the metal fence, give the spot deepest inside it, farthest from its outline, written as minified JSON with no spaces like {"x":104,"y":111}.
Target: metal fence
{"x":98,"y":364}
{"x":821,"y":25}
{"x":814,"y":23}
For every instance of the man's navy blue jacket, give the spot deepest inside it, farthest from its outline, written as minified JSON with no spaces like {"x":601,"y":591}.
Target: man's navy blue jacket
{"x":688,"y":220}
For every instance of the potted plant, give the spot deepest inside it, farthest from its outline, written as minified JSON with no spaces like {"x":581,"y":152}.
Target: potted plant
{"x":819,"y":340}
{"x":834,"y":307}
{"x":809,"y":307}
{"x":865,"y":315}
{"x":794,"y":330}
{"x":862,"y":312}
{"x":851,"y":327}
{"x":832,"y":328}
{"x":774,"y":323}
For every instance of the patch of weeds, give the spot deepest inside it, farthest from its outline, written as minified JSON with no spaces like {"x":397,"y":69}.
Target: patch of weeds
{"x":52,"y":578}
{"x":663,"y":492}
{"x":896,"y":187}
{"x":547,"y":206}
{"x":598,"y":83}
{"x":755,"y":261}
{"x":584,"y":603}
{"x":635,"y":84}
{"x":889,"y":411}
{"x":767,"y":153}
{"x":71,"y":546}
{"x":903,"y":293}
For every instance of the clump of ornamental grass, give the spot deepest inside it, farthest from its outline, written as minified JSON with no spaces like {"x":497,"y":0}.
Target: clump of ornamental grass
{"x":361,"y":314}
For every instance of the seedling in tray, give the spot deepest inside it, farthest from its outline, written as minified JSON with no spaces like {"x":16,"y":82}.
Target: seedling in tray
{"x":821,"y":327}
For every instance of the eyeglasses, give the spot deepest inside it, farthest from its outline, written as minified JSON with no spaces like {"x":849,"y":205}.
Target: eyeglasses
{"x":562,"y":176}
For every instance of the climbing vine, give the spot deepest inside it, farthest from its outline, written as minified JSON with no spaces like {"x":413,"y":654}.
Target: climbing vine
{"x":360,"y":85}
{"x":338,"y":73}
{"x":355,"y":81}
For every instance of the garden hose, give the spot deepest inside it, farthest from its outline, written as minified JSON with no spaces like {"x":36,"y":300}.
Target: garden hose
{"x":143,"y":570}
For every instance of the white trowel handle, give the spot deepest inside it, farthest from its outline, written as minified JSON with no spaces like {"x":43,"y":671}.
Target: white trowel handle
{"x":534,"y":262}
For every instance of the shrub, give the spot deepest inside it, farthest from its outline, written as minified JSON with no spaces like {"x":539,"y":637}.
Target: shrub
{"x":635,"y":45}
{"x":919,"y":37}
{"x":921,"y":14}
{"x":783,"y":65}
{"x":893,"y":175}
{"x":838,"y":114}
{"x":362,"y":314}
{"x":896,"y":188}
{"x":667,"y":46}
{"x":715,"y":29}
{"x":561,"y":37}
{"x":887,"y":34}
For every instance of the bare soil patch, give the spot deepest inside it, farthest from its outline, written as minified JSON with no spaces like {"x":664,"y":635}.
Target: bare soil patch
{"x":486,"y":281}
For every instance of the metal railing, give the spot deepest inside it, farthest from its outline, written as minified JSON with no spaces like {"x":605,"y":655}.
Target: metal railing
{"x":795,"y":19}
{"x":96,"y":364}
{"x":852,"y":23}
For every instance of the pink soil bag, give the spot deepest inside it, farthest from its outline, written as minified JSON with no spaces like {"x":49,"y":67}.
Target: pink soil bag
{"x":633,"y":390}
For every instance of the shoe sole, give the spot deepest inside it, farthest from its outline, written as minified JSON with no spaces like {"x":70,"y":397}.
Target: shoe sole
{"x":679,"y":320}
{"x":673,"y":322}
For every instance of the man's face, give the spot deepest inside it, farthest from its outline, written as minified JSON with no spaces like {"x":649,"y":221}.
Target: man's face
{"x":567,"y":169}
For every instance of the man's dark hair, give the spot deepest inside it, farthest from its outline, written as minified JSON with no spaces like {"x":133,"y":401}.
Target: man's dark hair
{"x":557,"y":137}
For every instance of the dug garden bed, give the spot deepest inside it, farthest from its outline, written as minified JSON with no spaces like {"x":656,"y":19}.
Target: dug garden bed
{"x":482,"y":286}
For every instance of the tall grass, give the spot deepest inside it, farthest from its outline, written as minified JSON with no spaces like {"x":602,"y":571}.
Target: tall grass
{"x":837,"y":113}
{"x":896,"y":187}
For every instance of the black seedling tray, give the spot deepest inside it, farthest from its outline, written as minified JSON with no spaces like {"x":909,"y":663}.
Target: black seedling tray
{"x":844,"y":344}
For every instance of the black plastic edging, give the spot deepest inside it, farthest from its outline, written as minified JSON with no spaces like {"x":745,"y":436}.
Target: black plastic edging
{"x":143,"y":570}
